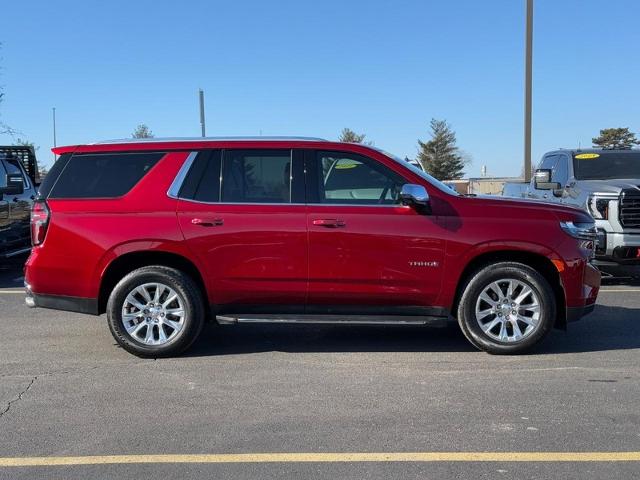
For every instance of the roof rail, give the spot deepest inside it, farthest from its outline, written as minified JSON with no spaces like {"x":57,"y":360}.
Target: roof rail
{"x":208,"y":139}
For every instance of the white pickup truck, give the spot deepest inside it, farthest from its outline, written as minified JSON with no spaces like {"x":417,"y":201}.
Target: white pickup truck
{"x":604,"y":182}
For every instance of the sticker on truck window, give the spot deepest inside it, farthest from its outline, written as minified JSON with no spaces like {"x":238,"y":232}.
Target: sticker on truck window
{"x":345,"y":164}
{"x":587,"y":156}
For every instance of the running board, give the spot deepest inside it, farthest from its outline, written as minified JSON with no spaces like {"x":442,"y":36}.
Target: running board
{"x":334,"y":319}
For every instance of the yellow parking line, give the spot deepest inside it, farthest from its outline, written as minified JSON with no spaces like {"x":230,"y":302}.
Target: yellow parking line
{"x":326,"y":458}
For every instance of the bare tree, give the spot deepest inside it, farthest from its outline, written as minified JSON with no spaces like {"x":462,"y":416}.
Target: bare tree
{"x":4,"y":128}
{"x":142,"y":131}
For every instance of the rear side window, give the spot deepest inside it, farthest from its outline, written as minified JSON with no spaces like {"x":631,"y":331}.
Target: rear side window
{"x":107,"y":175}
{"x":202,"y":183}
{"x":256,"y":176}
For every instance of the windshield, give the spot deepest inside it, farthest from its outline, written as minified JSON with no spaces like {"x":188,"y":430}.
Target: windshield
{"x":605,"y":165}
{"x":436,"y":183}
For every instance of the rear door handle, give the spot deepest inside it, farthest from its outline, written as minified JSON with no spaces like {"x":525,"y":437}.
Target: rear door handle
{"x":207,"y":223}
{"x":329,"y":222}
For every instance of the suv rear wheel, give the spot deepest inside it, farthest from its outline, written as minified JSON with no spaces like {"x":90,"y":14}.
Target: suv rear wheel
{"x":506,"y":308}
{"x":155,"y":311}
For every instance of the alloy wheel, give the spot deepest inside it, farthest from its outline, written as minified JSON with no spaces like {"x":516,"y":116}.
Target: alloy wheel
{"x":153,"y":314}
{"x":508,"y":310}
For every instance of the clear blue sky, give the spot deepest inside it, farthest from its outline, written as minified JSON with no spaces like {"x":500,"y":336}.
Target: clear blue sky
{"x":384,"y":68}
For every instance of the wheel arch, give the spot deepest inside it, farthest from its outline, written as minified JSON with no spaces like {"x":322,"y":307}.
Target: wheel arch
{"x":128,"y":262}
{"x":538,"y":262}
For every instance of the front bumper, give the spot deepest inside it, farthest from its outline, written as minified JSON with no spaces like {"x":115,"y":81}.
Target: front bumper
{"x":618,"y":248}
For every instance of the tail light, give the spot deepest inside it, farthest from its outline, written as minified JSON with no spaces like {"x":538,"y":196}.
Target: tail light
{"x":39,"y":221}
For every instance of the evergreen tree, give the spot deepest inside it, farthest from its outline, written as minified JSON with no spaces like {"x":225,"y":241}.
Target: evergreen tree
{"x":440,"y":156}
{"x":349,"y":136}
{"x":615,"y":138}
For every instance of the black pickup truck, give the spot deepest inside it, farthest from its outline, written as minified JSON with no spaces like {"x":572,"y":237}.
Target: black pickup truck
{"x":19,"y":181}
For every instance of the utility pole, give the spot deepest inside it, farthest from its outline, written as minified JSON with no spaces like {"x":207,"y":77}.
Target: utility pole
{"x":527,"y":90}
{"x":55,"y":143}
{"x":201,"y":95}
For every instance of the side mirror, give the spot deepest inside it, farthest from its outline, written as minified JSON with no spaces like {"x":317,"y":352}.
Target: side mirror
{"x":15,"y":184}
{"x":542,"y":180}
{"x":414,"y":196}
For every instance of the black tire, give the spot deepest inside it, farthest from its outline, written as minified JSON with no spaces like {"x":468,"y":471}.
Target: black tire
{"x":189,"y":294}
{"x":484,"y":277}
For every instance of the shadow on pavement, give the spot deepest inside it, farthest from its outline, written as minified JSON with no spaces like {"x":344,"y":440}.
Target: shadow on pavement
{"x":607,"y":328}
{"x":11,"y":274}
{"x":622,"y":275}
{"x":237,"y":339}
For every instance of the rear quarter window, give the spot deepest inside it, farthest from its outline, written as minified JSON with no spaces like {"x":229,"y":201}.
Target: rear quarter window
{"x":50,"y":178}
{"x":102,"y":175}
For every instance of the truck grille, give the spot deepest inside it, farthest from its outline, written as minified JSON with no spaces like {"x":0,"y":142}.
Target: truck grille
{"x":630,"y":208}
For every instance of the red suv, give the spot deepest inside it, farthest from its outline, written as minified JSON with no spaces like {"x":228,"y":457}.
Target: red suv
{"x":165,"y":234}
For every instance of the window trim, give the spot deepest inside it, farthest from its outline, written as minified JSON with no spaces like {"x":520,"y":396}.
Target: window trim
{"x":176,"y":185}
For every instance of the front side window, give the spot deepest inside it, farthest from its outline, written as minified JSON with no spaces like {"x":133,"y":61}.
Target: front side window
{"x":548,"y":162}
{"x":256,"y":176}
{"x":3,"y":175}
{"x":354,"y":179}
{"x":560,"y":171}
{"x":11,"y":166}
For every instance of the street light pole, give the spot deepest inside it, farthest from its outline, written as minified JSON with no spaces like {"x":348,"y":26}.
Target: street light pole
{"x":201,"y":95}
{"x":55,"y":143}
{"x":528,"y":63}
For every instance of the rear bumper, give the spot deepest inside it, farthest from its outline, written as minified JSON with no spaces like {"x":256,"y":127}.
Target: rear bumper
{"x":60,"y":302}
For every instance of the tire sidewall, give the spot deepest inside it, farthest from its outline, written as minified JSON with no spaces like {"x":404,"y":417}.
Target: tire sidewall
{"x":467,"y":315}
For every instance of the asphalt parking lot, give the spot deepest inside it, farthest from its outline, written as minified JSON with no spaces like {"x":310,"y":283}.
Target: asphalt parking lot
{"x":68,"y":392}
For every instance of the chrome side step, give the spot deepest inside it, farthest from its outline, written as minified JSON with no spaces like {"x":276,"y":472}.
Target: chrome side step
{"x":333,"y":319}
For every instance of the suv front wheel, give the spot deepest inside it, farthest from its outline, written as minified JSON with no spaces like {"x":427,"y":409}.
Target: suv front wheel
{"x":506,"y":308}
{"x":155,"y":311}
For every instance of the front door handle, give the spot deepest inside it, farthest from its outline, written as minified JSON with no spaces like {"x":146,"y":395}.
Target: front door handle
{"x":329,"y":222}
{"x":207,"y":223}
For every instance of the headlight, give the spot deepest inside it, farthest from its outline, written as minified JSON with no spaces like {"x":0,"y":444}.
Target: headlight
{"x":599,"y":206}
{"x":586,"y":234}
{"x":582,"y":231}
